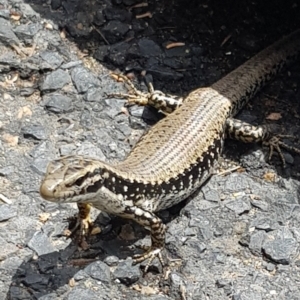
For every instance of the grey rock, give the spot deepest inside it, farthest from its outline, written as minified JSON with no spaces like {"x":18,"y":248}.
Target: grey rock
{"x":236,"y":182}
{"x":256,"y":241}
{"x":111,"y":260}
{"x":67,"y":149}
{"x":264,"y":206}
{"x":265,"y":223}
{"x":52,"y":58}
{"x":240,"y":205}
{"x":83,"y":79}
{"x":127,"y":273}
{"x":90,"y":150}
{"x":55,"y":80}
{"x":40,"y":244}
{"x":71,"y":64}
{"x":7,"y":35}
{"x":51,"y":296}
{"x":34,"y":131}
{"x":5,"y":171}
{"x":280,"y":246}
{"x":26,"y":92}
{"x":5,"y":13}
{"x":99,"y":271}
{"x":58,"y":103}
{"x":39,"y":165}
{"x":93,"y":94}
{"x":26,"y":32}
{"x":79,"y":294}
{"x":7,"y":212}
{"x":248,"y":295}
{"x":177,"y":284}
{"x":80,"y":275}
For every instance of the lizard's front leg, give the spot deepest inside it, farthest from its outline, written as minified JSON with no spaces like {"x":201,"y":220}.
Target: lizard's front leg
{"x":157,"y":228}
{"x":162,"y":102}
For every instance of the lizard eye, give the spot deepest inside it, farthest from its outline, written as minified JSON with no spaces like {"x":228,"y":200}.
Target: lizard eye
{"x":79,"y":181}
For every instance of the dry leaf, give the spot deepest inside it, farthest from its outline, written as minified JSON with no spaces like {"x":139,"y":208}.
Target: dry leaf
{"x":270,"y":176}
{"x":48,"y":26}
{"x":43,"y":217}
{"x":95,"y":230}
{"x":72,"y":282}
{"x":274,"y":116}
{"x":15,"y":15}
{"x":10,"y":139}
{"x":24,"y":111}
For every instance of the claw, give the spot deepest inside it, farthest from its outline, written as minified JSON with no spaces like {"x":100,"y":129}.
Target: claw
{"x":150,"y":254}
{"x":276,"y":144}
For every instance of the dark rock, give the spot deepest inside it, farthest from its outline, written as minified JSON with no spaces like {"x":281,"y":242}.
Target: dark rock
{"x":248,"y":43}
{"x":34,"y":131}
{"x":113,"y":13}
{"x":36,"y":281}
{"x":18,"y":293}
{"x":117,"y":53}
{"x":149,"y":48}
{"x":99,"y":271}
{"x":99,"y":19}
{"x":114,"y":31}
{"x":58,"y":103}
{"x":56,"y":4}
{"x":163,"y":73}
{"x":55,"y":80}
{"x":102,"y":52}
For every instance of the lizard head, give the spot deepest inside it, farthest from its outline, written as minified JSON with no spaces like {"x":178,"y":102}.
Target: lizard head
{"x":71,"y":177}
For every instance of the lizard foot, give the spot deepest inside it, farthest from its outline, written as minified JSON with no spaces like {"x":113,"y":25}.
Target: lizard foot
{"x":150,"y":254}
{"x":275,"y":143}
{"x":157,"y":99}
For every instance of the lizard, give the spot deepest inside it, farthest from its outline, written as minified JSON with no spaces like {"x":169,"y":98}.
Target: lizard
{"x":177,"y":155}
